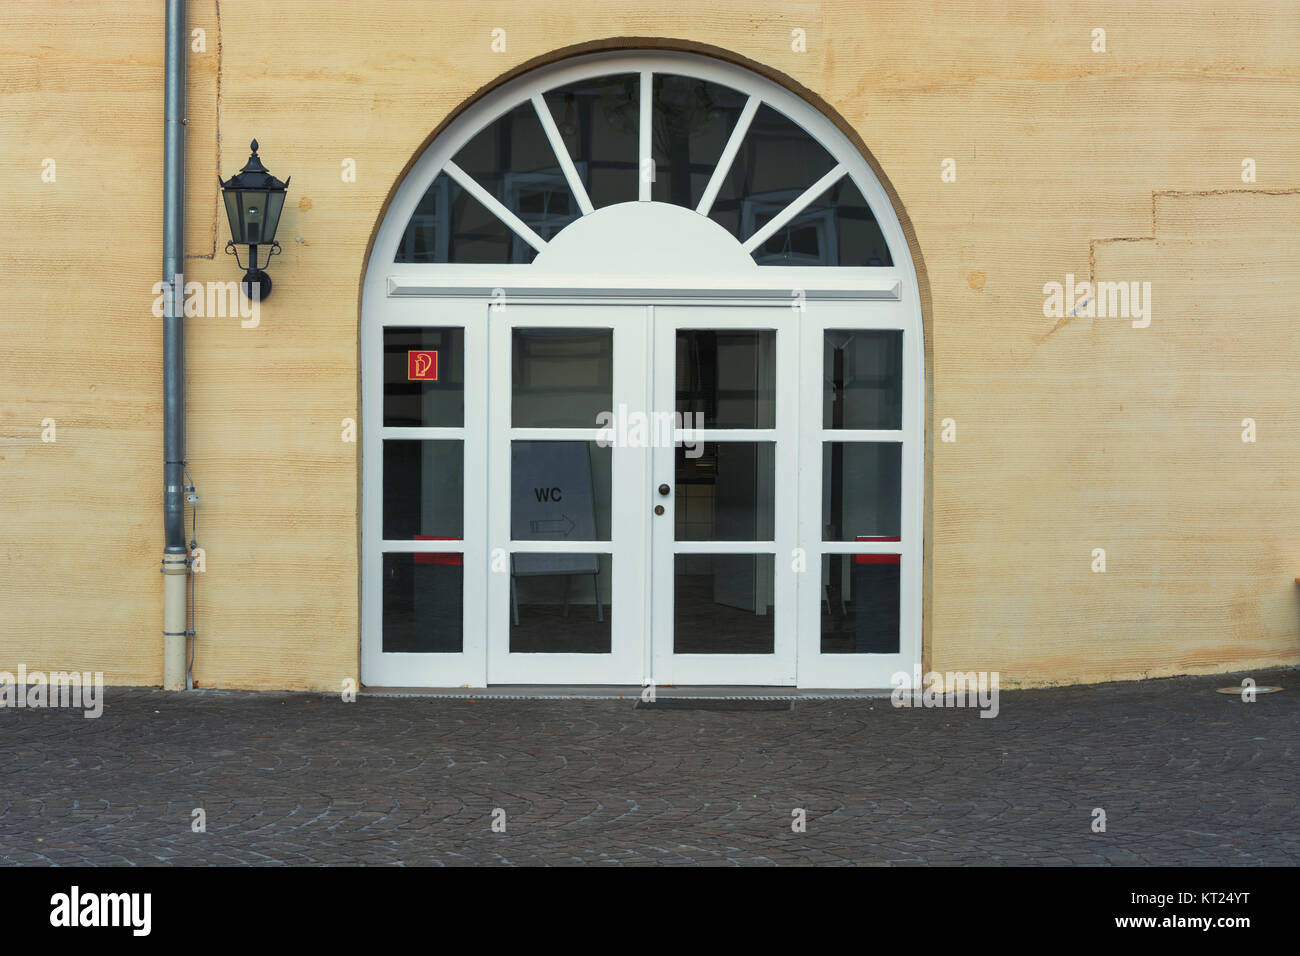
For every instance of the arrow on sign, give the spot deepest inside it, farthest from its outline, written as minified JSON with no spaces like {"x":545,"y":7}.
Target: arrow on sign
{"x":552,"y":525}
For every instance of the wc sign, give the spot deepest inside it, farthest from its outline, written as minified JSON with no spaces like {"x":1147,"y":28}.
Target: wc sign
{"x":422,"y":366}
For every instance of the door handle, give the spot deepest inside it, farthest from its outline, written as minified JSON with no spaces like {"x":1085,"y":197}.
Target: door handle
{"x":664,"y":489}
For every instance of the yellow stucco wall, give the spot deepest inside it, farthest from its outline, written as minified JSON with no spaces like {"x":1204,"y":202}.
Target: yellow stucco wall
{"x":1123,"y":165}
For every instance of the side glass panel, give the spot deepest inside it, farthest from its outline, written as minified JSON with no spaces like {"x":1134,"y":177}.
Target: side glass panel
{"x":599,"y":121}
{"x":422,"y":611}
{"x":693,"y":120}
{"x":424,"y":377}
{"x":726,"y":379}
{"x":862,"y":379}
{"x":861,"y":490}
{"x":561,"y":378}
{"x":860,"y":604}
{"x":423,"y":489}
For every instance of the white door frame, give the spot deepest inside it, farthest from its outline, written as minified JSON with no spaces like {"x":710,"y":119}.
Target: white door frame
{"x":860,"y":670}
{"x":628,"y":526}
{"x":635,"y":253}
{"x":778,"y":667}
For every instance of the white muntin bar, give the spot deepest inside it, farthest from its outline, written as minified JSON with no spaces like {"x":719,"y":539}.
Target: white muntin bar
{"x":494,"y":206}
{"x":728,"y":155}
{"x":562,"y":155}
{"x":795,"y":207}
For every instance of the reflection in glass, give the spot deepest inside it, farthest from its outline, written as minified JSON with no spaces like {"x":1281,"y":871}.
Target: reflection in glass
{"x":862,"y":375}
{"x":836,"y":229}
{"x":777,"y":161}
{"x":599,"y":122}
{"x":423,"y":482}
{"x":423,"y":610}
{"x":512,"y":159}
{"x":450,"y":225}
{"x":861,"y":490}
{"x":693,"y":120}
{"x":559,"y":491}
{"x":561,"y":378}
{"x":860,"y":600}
{"x":723,"y":604}
{"x":560,"y":603}
{"x":415,"y":402}
{"x":728,"y":377}
{"x":726,"y":494}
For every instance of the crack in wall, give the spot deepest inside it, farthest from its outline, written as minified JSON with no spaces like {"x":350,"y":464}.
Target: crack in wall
{"x":1155,"y":194}
{"x":216,"y":201}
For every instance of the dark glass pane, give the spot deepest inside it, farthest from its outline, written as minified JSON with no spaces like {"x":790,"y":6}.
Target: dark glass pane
{"x":423,"y":482}
{"x":559,"y":491}
{"x":561,"y":378}
{"x":862,"y":379}
{"x":860,"y":604}
{"x":777,"y":161}
{"x":836,"y":229}
{"x":560,"y":603}
{"x":723,"y":604}
{"x":512,"y":159}
{"x":693,"y":120}
{"x":727,"y":493}
{"x":423,"y":603}
{"x":450,"y":225}
{"x":861,"y":490}
{"x":420,"y":391}
{"x":728,"y":378}
{"x":599,"y":121}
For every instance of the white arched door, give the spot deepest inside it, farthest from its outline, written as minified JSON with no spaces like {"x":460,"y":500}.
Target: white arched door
{"x":642,"y":394}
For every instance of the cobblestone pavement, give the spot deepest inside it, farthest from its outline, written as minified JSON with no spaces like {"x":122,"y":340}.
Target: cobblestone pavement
{"x":1185,"y":776}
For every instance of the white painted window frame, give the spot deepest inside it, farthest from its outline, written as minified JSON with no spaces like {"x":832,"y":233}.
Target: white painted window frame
{"x":449,"y":294}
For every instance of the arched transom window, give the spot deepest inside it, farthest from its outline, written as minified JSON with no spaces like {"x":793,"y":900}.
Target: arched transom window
{"x":561,"y":152}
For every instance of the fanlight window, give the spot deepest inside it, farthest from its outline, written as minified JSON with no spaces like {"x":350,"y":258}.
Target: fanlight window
{"x":568,"y":151}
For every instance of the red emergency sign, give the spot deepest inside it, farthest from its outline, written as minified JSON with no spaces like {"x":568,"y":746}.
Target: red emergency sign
{"x":422,"y":366}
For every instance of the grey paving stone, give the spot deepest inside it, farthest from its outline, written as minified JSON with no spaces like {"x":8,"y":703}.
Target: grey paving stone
{"x":1186,"y":776}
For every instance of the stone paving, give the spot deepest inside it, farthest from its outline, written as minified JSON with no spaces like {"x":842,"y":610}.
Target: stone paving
{"x":1185,"y":776}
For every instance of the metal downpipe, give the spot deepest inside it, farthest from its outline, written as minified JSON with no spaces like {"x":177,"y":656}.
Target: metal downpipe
{"x":175,"y":561}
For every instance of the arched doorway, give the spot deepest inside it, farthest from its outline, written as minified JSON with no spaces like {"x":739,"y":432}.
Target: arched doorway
{"x":643,"y":393}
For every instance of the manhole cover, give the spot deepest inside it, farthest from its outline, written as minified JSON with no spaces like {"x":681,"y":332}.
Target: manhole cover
{"x":1237,"y":691}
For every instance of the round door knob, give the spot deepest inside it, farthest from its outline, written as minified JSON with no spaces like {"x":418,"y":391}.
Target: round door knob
{"x":659,"y":509}
{"x":664,"y":489}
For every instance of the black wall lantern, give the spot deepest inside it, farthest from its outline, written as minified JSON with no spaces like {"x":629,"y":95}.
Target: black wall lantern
{"x":254,"y":201}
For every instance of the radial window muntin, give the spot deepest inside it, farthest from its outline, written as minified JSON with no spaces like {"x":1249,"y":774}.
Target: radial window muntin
{"x":762,"y":224}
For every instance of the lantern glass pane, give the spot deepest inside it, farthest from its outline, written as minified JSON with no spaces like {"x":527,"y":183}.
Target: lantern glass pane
{"x":232,"y":214}
{"x":274,"y":205}
{"x":253,"y":202}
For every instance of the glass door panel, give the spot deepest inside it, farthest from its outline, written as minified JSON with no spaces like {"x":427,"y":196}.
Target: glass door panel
{"x":567,"y":522}
{"x":724,"y":517}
